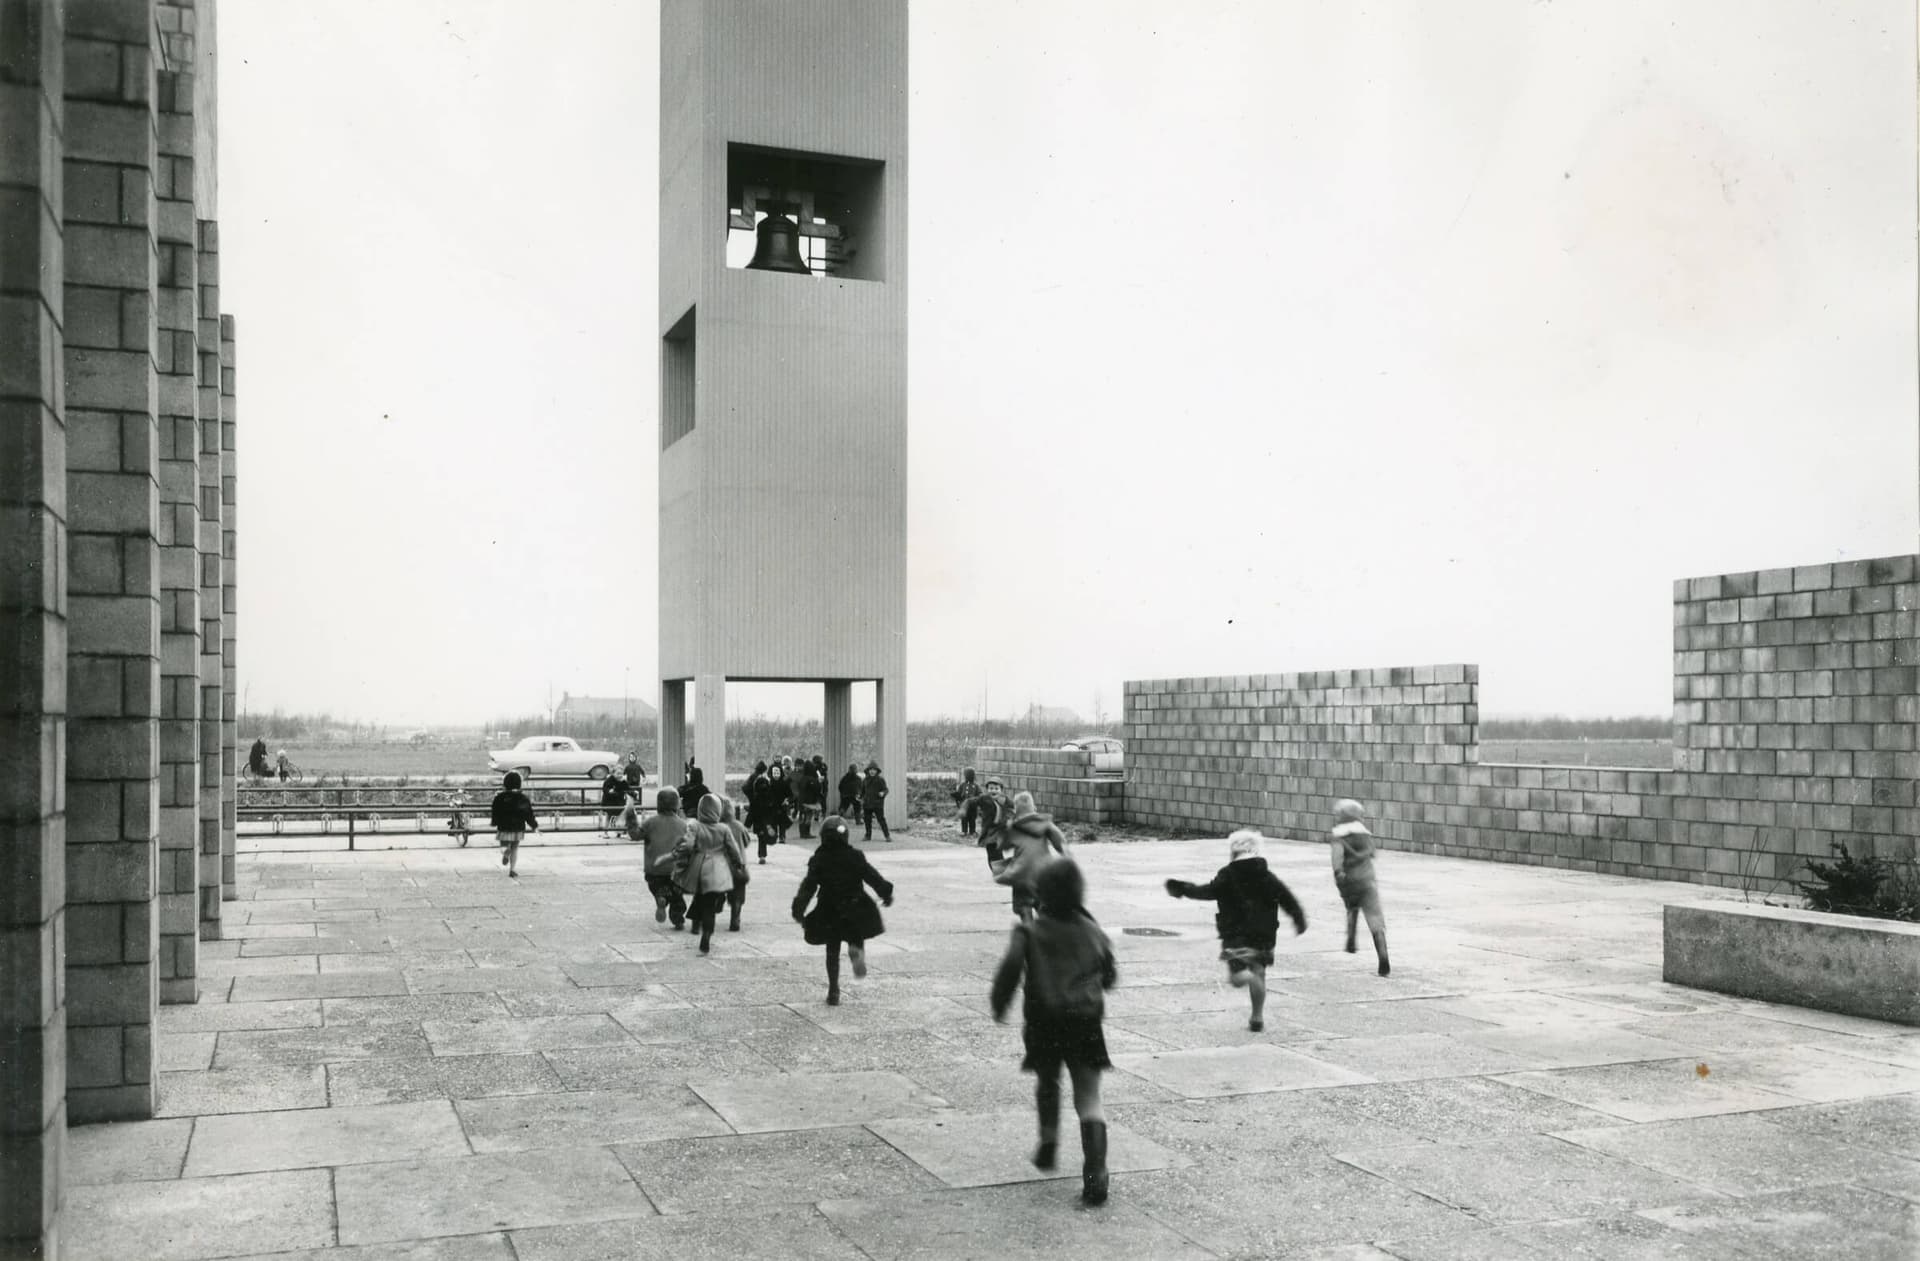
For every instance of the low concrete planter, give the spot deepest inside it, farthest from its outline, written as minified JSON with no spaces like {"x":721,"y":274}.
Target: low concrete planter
{"x":1844,"y":963}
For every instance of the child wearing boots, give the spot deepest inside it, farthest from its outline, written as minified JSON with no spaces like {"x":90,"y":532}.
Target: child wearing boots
{"x":1068,"y":964}
{"x":1030,"y":841}
{"x":1251,"y":899}
{"x":662,"y":834}
{"x":1352,"y":847}
{"x":736,"y":896}
{"x":963,"y":794}
{"x":704,"y":862}
{"x":844,"y":912}
{"x":512,"y":818}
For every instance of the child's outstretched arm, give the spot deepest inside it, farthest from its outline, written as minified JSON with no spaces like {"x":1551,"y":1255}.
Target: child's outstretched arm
{"x":1290,"y":905}
{"x":805,"y":894}
{"x":881,"y":885}
{"x":1208,"y":892}
{"x":1006,"y":978}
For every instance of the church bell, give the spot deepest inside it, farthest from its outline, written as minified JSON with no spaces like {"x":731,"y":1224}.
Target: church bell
{"x":778,"y":247}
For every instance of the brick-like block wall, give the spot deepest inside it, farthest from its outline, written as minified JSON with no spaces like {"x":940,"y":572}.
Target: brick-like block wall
{"x":1061,"y":781}
{"x":216,"y":789}
{"x":229,"y":722}
{"x":176,"y":231}
{"x":33,"y":630}
{"x":1781,"y":749}
{"x":113,"y":606}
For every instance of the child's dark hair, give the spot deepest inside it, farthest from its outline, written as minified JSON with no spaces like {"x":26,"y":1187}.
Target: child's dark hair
{"x":1060,"y":889}
{"x":513,"y":781}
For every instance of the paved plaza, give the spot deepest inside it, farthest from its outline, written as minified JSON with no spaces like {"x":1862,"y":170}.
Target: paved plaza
{"x":407,"y":1055}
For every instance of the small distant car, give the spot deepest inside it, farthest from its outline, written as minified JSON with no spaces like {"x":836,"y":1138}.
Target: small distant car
{"x":553,"y":755}
{"x":1109,"y":755}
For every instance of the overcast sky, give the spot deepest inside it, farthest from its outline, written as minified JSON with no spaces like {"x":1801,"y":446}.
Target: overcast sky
{"x":1246,"y":337}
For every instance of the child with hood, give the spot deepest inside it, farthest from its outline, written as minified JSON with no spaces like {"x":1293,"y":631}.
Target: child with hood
{"x":1068,"y":965}
{"x":1352,"y":848}
{"x":693,"y":790}
{"x":850,"y":793}
{"x":873,"y":801}
{"x":662,"y":835}
{"x":844,"y":912}
{"x":1251,"y":899}
{"x":512,"y":817}
{"x":1030,"y":841}
{"x":737,"y":896}
{"x":704,"y":863}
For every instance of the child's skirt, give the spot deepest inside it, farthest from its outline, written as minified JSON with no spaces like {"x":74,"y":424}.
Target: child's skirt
{"x":1075,"y":1041}
{"x":1240,"y":958}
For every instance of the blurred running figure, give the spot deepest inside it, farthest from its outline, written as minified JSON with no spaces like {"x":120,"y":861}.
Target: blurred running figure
{"x":1251,"y":899}
{"x":1352,"y":847}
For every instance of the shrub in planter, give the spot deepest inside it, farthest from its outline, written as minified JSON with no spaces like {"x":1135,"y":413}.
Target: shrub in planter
{"x":1863,"y":886}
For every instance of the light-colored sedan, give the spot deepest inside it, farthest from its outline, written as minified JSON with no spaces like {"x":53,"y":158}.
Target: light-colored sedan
{"x":553,"y":755}
{"x":1109,"y":755}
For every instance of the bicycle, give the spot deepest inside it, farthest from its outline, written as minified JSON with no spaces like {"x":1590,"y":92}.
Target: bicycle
{"x":457,"y":825}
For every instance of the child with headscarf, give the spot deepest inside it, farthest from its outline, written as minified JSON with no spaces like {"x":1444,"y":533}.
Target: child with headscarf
{"x":1251,"y":899}
{"x":844,"y":912}
{"x":736,"y":896}
{"x":662,"y":835}
{"x":1067,"y":963}
{"x":704,"y":863}
{"x":1352,"y":849}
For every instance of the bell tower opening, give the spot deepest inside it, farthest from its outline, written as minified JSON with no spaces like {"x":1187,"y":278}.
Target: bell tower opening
{"x":805,"y":214}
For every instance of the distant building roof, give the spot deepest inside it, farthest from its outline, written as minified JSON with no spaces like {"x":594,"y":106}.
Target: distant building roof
{"x":588,"y":708}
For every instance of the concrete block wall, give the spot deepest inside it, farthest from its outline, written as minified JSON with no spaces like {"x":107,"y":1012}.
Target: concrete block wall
{"x":229,"y":623}
{"x":110,"y":477}
{"x":114,"y":606}
{"x":33,"y":628}
{"x":1061,"y":781}
{"x":176,"y":232}
{"x":216,"y":793}
{"x":1780,"y":749}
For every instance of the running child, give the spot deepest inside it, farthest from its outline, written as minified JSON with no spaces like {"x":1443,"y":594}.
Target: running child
{"x":1251,"y":899}
{"x":1067,"y":963}
{"x":844,"y":912}
{"x":512,"y":818}
{"x":1352,"y":847}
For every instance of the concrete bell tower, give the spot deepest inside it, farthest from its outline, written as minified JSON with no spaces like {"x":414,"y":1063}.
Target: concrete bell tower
{"x":783,"y":364}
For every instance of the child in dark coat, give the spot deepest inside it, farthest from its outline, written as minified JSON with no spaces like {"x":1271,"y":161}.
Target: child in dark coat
{"x":1068,"y":966}
{"x":844,"y":912}
{"x":873,"y":801}
{"x":512,"y":818}
{"x":850,"y":793}
{"x":1250,"y":898}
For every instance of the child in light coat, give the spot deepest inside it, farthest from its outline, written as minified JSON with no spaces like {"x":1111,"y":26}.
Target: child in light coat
{"x":1352,"y":849}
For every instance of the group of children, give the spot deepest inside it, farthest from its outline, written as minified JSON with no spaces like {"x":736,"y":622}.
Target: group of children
{"x":1058,"y":952}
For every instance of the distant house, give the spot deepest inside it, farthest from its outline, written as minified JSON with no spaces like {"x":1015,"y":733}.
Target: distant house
{"x":585,"y":710}
{"x":1051,"y":716}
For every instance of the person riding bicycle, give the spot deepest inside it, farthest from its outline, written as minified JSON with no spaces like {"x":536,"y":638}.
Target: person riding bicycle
{"x":257,"y":759}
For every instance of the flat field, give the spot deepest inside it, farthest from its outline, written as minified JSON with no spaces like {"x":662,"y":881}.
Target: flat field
{"x":432,"y":760}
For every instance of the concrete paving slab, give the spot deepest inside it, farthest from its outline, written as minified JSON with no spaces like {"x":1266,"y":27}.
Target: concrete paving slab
{"x":896,"y":1050}
{"x":1456,"y":1109}
{"x":1406,"y":1057}
{"x":745,"y":1172}
{"x":1720,"y":1032}
{"x":438,"y":1077}
{"x":299,"y":1013}
{"x":253,"y":1088}
{"x":1841,"y":1223}
{"x":132,"y":1151}
{"x":488,"y":1247}
{"x":691,"y":1025}
{"x":633,"y":1064}
{"x":1234,"y":1070}
{"x":518,"y":1034}
{"x":798,"y":1232}
{"x":317,"y":985}
{"x":1037,"y":1221}
{"x":1195,"y":1029}
{"x":1818,"y":1075}
{"x":262,"y":1141}
{"x":613,"y":1000}
{"x":992,"y":1148}
{"x":1903,"y":1050}
{"x":1525,"y":1178}
{"x":185,"y":1052}
{"x":1740,"y":1154}
{"x":281,"y":965}
{"x":476,"y":1194}
{"x":587,"y":1118}
{"x":1239,"y":1208}
{"x":1554,"y":1046}
{"x":362,"y":943}
{"x":1609,"y":1237}
{"x":1890,"y":1123}
{"x":319,"y":1046}
{"x":411,"y":1009}
{"x":805,"y":1101}
{"x":475,"y":980}
{"x":1659,"y":1090}
{"x":190,"y":1218}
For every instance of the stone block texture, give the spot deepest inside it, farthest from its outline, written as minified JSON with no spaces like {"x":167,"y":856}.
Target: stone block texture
{"x":216,"y":790}
{"x":230,"y":702}
{"x":179,"y":527}
{"x":114,"y":577}
{"x":33,"y":628}
{"x":1061,"y":781}
{"x":1794,"y":730}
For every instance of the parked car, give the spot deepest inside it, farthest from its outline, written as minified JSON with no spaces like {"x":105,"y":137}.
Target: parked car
{"x":1109,"y":755}
{"x":553,"y":755}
